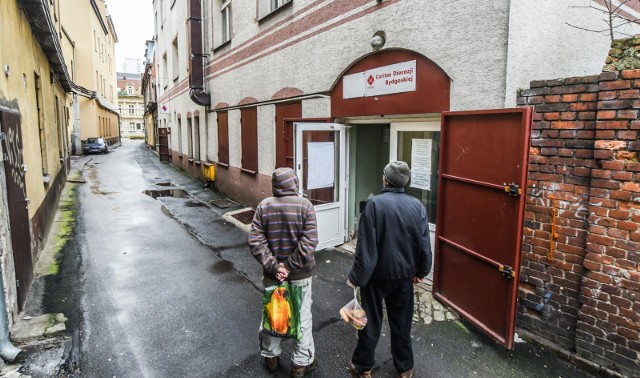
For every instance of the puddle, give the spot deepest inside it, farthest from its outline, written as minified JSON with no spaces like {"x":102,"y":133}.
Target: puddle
{"x":221,"y":266}
{"x":194,"y":204}
{"x":177,"y":193}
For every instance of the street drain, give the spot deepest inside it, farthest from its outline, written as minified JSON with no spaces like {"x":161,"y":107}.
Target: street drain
{"x":163,"y":183}
{"x":177,"y":193}
{"x":245,"y":217}
{"x":194,"y":204}
{"x":223,"y":203}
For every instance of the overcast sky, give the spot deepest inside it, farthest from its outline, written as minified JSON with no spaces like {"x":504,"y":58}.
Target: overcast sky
{"x":133,"y":20}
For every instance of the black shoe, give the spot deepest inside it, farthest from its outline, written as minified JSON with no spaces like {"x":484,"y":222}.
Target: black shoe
{"x":355,"y":372}
{"x":298,"y":371}
{"x":272,"y":363}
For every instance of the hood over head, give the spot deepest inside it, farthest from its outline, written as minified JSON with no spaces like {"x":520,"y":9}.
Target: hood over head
{"x":284,"y":182}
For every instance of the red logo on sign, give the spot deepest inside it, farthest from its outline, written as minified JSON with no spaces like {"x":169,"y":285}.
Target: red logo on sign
{"x":164,"y":108}
{"x":370,"y":80}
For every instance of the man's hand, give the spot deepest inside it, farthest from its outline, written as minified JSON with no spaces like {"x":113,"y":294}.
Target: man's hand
{"x":417,"y":280}
{"x":282,"y":273}
{"x":351,"y":284}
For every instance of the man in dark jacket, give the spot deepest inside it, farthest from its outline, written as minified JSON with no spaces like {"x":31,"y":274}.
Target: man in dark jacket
{"x":283,"y":238}
{"x":392,"y":254}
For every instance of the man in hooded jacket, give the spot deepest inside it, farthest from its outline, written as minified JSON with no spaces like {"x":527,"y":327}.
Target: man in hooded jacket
{"x":393,"y":253}
{"x":283,"y":238}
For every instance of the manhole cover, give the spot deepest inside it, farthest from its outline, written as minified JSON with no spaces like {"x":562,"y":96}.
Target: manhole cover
{"x":223,"y":203}
{"x":245,"y":217}
{"x":178,"y":193}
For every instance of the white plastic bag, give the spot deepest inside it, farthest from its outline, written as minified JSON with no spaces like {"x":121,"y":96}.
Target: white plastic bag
{"x":353,"y":314}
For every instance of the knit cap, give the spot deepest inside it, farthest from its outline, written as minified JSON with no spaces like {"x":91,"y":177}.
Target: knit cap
{"x":397,"y":173}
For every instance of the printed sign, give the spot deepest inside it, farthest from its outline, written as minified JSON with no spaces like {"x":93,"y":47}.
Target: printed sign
{"x":321,"y":165}
{"x":394,"y":78}
{"x":421,"y":163}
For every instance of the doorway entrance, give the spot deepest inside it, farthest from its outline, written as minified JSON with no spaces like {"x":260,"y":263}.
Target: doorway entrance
{"x":320,"y":162}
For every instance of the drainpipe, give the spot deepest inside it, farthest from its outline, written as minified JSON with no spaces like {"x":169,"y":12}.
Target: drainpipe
{"x":196,"y":59}
{"x":8,"y":352}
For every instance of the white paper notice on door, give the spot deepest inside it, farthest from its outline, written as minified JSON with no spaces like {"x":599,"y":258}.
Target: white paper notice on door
{"x":421,"y":163}
{"x":321,"y":165}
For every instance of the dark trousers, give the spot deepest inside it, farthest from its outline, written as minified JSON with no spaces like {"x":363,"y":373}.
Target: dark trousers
{"x":398,"y":297}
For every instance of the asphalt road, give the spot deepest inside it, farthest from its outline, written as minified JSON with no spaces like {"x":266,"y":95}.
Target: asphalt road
{"x":165,"y":287}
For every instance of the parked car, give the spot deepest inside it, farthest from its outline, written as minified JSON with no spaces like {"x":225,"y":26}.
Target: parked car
{"x":95,"y":145}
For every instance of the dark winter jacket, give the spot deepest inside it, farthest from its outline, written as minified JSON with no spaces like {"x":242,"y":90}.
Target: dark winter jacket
{"x":393,"y":239}
{"x":284,"y":229}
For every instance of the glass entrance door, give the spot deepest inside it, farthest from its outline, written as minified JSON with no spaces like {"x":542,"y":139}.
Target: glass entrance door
{"x":320,"y":164}
{"x":418,"y":143}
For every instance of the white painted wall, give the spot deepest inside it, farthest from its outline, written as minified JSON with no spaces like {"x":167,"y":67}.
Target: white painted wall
{"x":543,"y":46}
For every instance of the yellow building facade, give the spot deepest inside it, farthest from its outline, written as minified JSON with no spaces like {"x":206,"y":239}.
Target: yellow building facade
{"x":94,"y":68}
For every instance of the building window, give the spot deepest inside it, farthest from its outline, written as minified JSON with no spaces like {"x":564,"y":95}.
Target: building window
{"x":131,"y":109}
{"x":189,"y":138}
{"x":269,"y":6}
{"x":175,"y":59}
{"x":225,"y":10}
{"x":138,"y":126}
{"x":132,"y":126}
{"x":165,"y":71}
{"x":249,"y":126}
{"x":179,"y":135}
{"x":223,"y":138}
{"x":196,"y":138}
{"x":129,"y":89}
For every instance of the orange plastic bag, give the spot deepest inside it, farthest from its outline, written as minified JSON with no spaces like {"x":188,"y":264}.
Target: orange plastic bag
{"x":353,"y":314}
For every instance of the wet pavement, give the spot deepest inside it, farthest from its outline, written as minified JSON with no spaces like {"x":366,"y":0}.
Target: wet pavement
{"x":157,"y":282}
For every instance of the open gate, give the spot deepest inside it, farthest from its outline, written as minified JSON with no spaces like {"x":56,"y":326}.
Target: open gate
{"x":483,"y":172}
{"x":17,"y":202}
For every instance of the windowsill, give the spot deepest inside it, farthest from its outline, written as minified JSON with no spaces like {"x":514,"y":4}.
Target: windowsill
{"x":46,"y":178}
{"x":196,"y":162}
{"x":180,"y":156}
{"x":225,"y":165}
{"x":190,"y":161}
{"x":223,"y":44}
{"x":269,"y":15}
{"x":249,"y":172}
{"x":208,"y":164}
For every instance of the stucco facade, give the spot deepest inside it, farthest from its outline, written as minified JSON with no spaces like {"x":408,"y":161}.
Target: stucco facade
{"x":131,"y":105}
{"x":94,"y":67}
{"x":300,"y":51}
{"x":38,"y":148}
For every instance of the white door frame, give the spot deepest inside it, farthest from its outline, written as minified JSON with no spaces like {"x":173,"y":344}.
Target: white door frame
{"x":331,"y":216}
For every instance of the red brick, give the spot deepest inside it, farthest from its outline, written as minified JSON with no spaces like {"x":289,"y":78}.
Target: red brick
{"x":626,"y":264}
{"x":628,"y":135}
{"x":635,"y":125}
{"x":603,"y":154}
{"x":607,"y":95}
{"x":606,"y":114}
{"x":626,"y":155}
{"x":618,"y":234}
{"x":552,"y":98}
{"x":533,"y":100}
{"x":615,"y":104}
{"x":553,"y":116}
{"x":629,"y":94}
{"x":588,"y":97}
{"x":619,"y":214}
{"x":567,"y":125}
{"x":630,"y":74}
{"x":613,"y":165}
{"x":570,"y":97}
{"x":605,"y":134}
{"x":618,"y":84}
{"x":568,"y":116}
{"x":592,"y":266}
{"x":614,"y":145}
{"x":607,"y":184}
{"x":635,"y":236}
{"x":600,"y":239}
{"x":620,"y":195}
{"x":623,"y":176}
{"x":586,"y":115}
{"x":599,"y":277}
{"x":628,"y":333}
{"x":632,"y":166}
{"x":583,"y":106}
{"x":617,"y":125}
{"x":601,"y":173}
{"x":627,"y":114}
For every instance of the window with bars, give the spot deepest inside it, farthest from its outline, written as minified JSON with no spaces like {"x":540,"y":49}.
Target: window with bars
{"x":223,"y":138}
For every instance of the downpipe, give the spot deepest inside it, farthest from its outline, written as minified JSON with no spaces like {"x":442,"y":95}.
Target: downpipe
{"x":8,"y":352}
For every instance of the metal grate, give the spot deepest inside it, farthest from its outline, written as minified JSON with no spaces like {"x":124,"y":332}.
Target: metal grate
{"x":223,"y":203}
{"x":245,"y":217}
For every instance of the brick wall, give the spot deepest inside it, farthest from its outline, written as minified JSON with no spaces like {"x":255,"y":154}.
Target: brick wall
{"x":580,"y":285}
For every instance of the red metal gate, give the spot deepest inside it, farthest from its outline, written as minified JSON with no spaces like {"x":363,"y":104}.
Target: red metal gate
{"x":17,"y":201}
{"x":483,"y":168}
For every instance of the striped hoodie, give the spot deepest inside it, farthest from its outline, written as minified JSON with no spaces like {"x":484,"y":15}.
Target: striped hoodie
{"x":284,"y":229}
